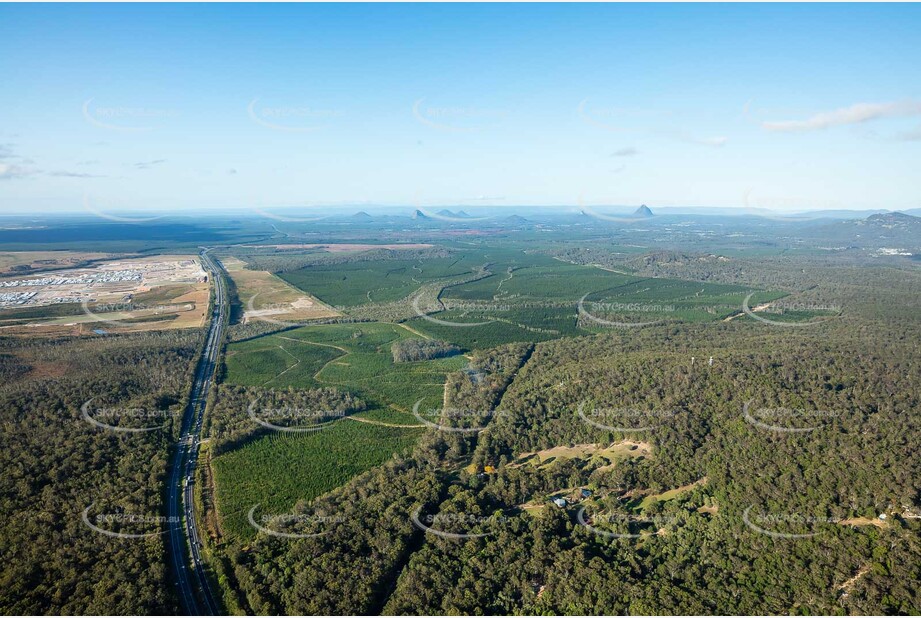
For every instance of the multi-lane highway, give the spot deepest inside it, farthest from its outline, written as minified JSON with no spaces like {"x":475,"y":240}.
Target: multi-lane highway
{"x":184,"y":540}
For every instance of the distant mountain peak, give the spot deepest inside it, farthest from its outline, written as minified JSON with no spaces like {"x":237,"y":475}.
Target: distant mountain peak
{"x":361,"y":215}
{"x":462,"y":214}
{"x":420,"y":215}
{"x":444,"y":212}
{"x":879,"y":231}
{"x":643,"y":211}
{"x":892,"y":217}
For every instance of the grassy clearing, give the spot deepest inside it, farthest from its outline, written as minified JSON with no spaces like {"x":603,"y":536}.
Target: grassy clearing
{"x":671,"y":494}
{"x":272,"y":297}
{"x":352,"y":357}
{"x":592,"y":453}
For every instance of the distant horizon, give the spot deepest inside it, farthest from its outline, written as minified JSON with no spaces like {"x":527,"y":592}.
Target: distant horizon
{"x":407,"y":210}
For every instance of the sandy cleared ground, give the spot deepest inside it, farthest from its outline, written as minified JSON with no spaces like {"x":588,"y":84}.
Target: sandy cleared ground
{"x":111,"y":281}
{"x":119,"y":295}
{"x":610,"y":454}
{"x":761,"y":307}
{"x":863,"y":521}
{"x":265,"y":296}
{"x":671,"y":494}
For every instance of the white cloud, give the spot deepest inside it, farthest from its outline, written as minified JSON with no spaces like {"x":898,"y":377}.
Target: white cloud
{"x":625,"y":152}
{"x":68,"y":174}
{"x":16,"y":166}
{"x":9,"y":171}
{"x":855,"y":114}
{"x":7,"y":152}
{"x":144,"y":165}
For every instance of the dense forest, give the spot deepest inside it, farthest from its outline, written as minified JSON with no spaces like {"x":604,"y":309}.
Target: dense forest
{"x":682,"y":508}
{"x":60,"y":471}
{"x":411,"y":350}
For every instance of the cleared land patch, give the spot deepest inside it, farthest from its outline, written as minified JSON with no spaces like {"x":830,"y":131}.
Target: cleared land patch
{"x":671,"y":494}
{"x":120,"y":295}
{"x":266,"y":296}
{"x":605,"y":456}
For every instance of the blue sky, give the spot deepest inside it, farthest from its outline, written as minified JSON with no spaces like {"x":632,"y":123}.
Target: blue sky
{"x":790,"y":107}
